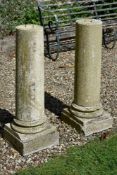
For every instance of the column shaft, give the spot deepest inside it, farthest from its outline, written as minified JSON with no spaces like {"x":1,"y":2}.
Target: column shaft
{"x":87,"y":69}
{"x":88,"y":63}
{"x":30,"y":130}
{"x":86,"y":112}
{"x":29,"y":75}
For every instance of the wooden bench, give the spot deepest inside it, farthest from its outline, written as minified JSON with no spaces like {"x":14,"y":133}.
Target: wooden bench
{"x":58,"y":18}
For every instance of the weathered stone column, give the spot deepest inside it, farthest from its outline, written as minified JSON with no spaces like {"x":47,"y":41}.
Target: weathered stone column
{"x":30,"y":130}
{"x":86,"y":111}
{"x":29,"y":79}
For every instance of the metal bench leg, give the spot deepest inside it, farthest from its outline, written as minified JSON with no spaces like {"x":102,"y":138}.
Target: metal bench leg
{"x":54,"y":58}
{"x":48,"y":47}
{"x":109,"y":38}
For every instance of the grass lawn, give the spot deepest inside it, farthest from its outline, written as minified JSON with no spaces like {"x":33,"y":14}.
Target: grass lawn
{"x":95,"y":158}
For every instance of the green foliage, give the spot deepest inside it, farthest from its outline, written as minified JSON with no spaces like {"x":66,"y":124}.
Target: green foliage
{"x":17,"y":12}
{"x":95,"y":158}
{"x":67,"y":13}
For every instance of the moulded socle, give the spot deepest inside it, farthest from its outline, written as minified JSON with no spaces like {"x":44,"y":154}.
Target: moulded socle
{"x":86,"y":107}
{"x":30,"y":122}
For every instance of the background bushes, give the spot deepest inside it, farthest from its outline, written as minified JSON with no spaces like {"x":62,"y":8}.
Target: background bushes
{"x":16,"y":12}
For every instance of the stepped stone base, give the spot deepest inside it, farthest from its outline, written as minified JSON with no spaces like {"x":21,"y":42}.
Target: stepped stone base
{"x":88,"y":126}
{"x":26,"y":144}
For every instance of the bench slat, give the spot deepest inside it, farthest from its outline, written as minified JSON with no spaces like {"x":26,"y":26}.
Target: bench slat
{"x":58,"y":19}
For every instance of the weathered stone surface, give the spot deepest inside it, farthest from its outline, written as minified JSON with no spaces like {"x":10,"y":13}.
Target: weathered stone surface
{"x":88,"y":125}
{"x":29,"y":77}
{"x":86,"y":112}
{"x":88,"y":63}
{"x":29,"y":143}
{"x":30,"y":130}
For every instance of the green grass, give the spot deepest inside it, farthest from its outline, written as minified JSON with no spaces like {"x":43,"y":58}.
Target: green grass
{"x":94,"y":158}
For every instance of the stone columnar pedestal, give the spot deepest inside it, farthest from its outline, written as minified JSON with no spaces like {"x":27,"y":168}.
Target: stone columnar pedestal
{"x":86,"y":112}
{"x":30,"y":130}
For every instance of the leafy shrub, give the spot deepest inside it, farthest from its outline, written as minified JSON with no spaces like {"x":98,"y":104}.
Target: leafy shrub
{"x":16,"y":12}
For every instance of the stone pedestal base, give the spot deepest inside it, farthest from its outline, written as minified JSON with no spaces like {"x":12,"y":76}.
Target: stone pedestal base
{"x":29,"y":143}
{"x":90,"y":125}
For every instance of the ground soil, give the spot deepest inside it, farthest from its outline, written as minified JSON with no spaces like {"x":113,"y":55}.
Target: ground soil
{"x":59,"y":83}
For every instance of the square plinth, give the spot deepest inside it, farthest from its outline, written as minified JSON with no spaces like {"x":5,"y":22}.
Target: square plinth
{"x":88,"y":125}
{"x":26,"y":144}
